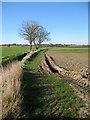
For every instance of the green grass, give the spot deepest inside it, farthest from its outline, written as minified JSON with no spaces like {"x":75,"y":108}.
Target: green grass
{"x":10,"y":51}
{"x":46,"y":95}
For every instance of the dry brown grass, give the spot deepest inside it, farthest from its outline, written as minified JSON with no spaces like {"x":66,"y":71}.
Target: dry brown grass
{"x":10,"y":77}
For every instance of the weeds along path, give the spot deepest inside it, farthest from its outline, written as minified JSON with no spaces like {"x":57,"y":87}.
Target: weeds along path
{"x":45,"y":95}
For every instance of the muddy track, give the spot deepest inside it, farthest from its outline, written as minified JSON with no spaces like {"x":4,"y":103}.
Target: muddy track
{"x":79,"y":81}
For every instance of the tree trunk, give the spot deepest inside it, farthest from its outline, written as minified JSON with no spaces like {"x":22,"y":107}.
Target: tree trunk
{"x":35,"y":44}
{"x":30,"y":46}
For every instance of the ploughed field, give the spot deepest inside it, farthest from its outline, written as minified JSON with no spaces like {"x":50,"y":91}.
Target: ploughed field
{"x":73,"y":59}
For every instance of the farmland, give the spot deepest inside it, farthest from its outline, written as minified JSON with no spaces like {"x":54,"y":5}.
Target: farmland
{"x":46,"y":94}
{"x":9,"y":53}
{"x":72,"y":63}
{"x":70,"y":58}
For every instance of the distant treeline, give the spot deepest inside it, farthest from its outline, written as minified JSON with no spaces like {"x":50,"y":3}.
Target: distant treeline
{"x":47,"y":45}
{"x":64,"y":45}
{"x":14,"y":44}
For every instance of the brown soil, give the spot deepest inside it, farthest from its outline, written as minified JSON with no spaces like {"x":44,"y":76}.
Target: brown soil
{"x":75,"y":61}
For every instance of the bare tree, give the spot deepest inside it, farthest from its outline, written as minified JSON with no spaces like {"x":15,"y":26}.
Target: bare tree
{"x":43,"y":36}
{"x":34,"y":33}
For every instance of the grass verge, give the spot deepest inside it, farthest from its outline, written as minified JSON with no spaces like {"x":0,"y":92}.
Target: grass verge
{"x":46,"y":95}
